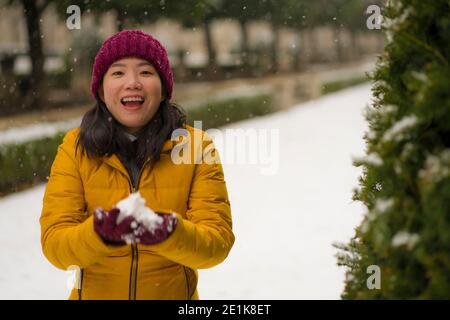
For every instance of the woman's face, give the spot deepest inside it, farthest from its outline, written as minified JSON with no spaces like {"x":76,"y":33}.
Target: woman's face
{"x":132,"y":92}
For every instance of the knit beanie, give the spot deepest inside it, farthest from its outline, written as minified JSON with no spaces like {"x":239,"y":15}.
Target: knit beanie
{"x":132,"y":43}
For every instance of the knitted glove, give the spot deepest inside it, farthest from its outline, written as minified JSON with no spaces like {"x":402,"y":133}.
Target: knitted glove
{"x":105,"y":224}
{"x":158,"y":232}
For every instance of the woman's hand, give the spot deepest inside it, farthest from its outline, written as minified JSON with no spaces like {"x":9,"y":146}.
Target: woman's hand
{"x":129,"y":230}
{"x":159,"y":233}
{"x":105,"y":224}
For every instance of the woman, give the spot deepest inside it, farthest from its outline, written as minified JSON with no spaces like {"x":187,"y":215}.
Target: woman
{"x":124,"y":145}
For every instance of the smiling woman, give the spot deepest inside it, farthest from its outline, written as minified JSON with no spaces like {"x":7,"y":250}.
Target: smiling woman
{"x":131,"y":65}
{"x":132,"y":91}
{"x":125,"y":145}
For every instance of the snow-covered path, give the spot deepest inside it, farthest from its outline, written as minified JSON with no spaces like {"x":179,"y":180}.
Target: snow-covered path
{"x":284,"y":223}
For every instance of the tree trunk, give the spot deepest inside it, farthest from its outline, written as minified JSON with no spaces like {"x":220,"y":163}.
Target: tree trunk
{"x":244,"y":47}
{"x":9,"y":91}
{"x":121,"y":19}
{"x":36,"y":92}
{"x":338,"y":43}
{"x":356,"y":51}
{"x":274,"y":49}
{"x":312,"y":41}
{"x":182,"y":73}
{"x":212,"y":63}
{"x":296,"y":63}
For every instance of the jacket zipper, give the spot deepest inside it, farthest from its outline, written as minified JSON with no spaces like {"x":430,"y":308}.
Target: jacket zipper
{"x":133,"y":272}
{"x":134,"y":249}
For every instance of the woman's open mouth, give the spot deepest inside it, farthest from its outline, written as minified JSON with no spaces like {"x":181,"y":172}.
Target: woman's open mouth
{"x":132,"y":102}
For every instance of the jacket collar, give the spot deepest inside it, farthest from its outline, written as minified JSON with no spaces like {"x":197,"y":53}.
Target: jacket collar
{"x":115,"y":162}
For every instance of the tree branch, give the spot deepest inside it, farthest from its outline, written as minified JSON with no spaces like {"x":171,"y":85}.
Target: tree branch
{"x":43,"y":6}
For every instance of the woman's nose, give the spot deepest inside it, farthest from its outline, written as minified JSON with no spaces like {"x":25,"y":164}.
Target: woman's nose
{"x":133,"y":83}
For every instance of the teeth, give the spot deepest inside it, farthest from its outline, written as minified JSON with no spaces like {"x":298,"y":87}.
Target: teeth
{"x":130,"y":99}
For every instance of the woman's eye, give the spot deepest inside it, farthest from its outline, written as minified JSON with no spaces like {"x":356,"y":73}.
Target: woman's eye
{"x":117,"y":73}
{"x":147,"y":72}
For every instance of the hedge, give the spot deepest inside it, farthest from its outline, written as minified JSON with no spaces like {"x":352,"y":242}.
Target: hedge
{"x":218,"y":113}
{"x":333,"y":86}
{"x":27,"y":163}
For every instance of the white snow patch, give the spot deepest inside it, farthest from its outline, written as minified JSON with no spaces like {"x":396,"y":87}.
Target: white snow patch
{"x":390,"y":108}
{"x":436,"y":167}
{"x":421,"y":76}
{"x":395,"y":132}
{"x":37,"y":131}
{"x":382,"y":205}
{"x":371,"y":159}
{"x":404,"y":238}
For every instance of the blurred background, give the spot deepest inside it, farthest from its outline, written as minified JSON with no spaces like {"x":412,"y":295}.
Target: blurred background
{"x":233,"y":61}
{"x":46,"y":65}
{"x":258,"y":55}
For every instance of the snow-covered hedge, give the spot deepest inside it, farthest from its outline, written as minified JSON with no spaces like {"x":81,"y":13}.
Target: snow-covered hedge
{"x":401,"y":249}
{"x":221,"y":112}
{"x":333,"y":86}
{"x":26,"y":163}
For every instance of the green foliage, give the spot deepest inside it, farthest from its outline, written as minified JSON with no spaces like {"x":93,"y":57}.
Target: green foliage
{"x":26,"y":163}
{"x":332,"y":86}
{"x":217,"y":113}
{"x":406,"y":175}
{"x":191,"y":13}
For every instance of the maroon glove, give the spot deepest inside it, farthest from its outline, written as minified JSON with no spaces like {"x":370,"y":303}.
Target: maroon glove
{"x":160,"y":233}
{"x":111,"y":232}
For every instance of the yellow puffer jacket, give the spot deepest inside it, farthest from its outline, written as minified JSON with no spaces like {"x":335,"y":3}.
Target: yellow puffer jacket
{"x":196,"y":192}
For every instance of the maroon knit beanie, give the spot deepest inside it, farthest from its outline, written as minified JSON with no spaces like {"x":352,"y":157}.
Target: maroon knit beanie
{"x":132,"y":43}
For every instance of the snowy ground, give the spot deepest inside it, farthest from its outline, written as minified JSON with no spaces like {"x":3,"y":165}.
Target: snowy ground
{"x":284,"y":223}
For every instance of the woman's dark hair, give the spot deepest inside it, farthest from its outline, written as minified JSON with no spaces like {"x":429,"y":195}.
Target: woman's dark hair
{"x":102,"y":135}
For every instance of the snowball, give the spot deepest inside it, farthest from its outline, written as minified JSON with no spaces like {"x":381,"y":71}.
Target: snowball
{"x":134,"y":205}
